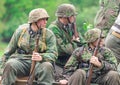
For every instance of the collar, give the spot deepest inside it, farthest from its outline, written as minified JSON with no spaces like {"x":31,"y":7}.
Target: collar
{"x":32,"y":33}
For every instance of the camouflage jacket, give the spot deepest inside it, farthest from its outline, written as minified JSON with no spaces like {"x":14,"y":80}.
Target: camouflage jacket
{"x":107,"y":14}
{"x":104,"y":55}
{"x":64,"y":35}
{"x":22,"y":44}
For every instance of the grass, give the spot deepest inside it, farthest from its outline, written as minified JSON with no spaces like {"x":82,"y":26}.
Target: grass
{"x":3,"y":46}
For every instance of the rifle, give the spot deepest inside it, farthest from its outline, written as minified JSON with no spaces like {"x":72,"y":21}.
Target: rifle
{"x":91,"y":65}
{"x":75,"y":29}
{"x":79,"y":55}
{"x":32,"y":70}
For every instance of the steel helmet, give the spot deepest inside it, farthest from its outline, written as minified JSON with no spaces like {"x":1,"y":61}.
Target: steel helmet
{"x":93,"y":34}
{"x":66,"y":10}
{"x":37,"y":14}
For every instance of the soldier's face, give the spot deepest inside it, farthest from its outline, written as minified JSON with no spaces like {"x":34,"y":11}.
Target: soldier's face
{"x":72,"y":19}
{"x":66,"y":20}
{"x":102,"y":43}
{"x":42,"y":22}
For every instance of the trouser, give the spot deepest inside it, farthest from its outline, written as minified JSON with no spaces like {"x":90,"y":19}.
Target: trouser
{"x":110,"y":78}
{"x":113,"y":43}
{"x":18,"y":68}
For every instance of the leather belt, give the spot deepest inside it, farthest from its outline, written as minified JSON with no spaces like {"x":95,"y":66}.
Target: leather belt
{"x":116,"y":34}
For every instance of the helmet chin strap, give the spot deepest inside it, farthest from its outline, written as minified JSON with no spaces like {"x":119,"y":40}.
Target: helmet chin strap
{"x":39,"y":28}
{"x":73,"y":25}
{"x":68,"y":20}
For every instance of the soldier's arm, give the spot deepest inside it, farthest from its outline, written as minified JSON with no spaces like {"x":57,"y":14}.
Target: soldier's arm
{"x":109,"y":62}
{"x":11,"y":48}
{"x":72,"y":63}
{"x":67,"y":47}
{"x":51,"y":52}
{"x":79,"y":42}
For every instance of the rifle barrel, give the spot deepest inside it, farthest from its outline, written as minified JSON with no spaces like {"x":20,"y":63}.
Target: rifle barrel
{"x":32,"y":70}
{"x":91,"y":65}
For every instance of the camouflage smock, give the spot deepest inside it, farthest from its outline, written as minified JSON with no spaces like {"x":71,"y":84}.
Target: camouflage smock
{"x":64,"y":35}
{"x":106,"y":57}
{"x":24,"y":40}
{"x":107,"y":14}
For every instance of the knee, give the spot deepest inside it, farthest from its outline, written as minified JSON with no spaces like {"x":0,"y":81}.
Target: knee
{"x":47,"y":66}
{"x":78,"y":76}
{"x":80,"y":72}
{"x":113,"y":74}
{"x":10,"y":63}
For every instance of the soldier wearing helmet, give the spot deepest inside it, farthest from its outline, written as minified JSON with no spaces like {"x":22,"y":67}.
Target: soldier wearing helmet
{"x":104,"y":63}
{"x":66,"y":34}
{"x":22,"y":49}
{"x":89,"y":37}
{"x":66,"y":10}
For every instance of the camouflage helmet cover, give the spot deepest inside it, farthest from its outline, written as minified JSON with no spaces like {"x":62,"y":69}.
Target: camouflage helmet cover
{"x":93,"y":34}
{"x":66,"y":10}
{"x":37,"y":14}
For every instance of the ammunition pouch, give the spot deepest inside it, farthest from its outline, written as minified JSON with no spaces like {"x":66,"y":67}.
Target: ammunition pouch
{"x":21,"y":51}
{"x":84,"y":64}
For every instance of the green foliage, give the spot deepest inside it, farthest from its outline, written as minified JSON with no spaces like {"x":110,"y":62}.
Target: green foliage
{"x":15,"y":12}
{"x":84,"y":27}
{"x":2,"y":8}
{"x":2,"y":13}
{"x":87,"y":26}
{"x":2,"y":47}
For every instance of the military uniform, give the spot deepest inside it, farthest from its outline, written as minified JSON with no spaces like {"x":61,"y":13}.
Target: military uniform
{"x":64,"y":43}
{"x":19,"y":53}
{"x":107,"y":14}
{"x":78,"y":65}
{"x":113,"y":39}
{"x":64,"y":33}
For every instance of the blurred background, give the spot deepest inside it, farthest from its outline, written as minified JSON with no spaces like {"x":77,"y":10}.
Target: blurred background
{"x":15,"y":12}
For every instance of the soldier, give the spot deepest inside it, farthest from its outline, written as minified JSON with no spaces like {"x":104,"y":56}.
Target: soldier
{"x":66,"y":33}
{"x":104,"y":63}
{"x":20,"y":51}
{"x":113,"y":39}
{"x":107,"y":14}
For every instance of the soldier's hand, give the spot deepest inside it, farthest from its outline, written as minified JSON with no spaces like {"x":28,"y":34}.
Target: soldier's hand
{"x":75,"y":39}
{"x":94,"y":60}
{"x":36,"y":56}
{"x":63,"y":82}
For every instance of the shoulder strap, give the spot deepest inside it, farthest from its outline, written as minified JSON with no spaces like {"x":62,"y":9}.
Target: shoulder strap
{"x":22,"y":33}
{"x":43,"y":40}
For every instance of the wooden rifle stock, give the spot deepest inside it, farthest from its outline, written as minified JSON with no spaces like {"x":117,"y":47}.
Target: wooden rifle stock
{"x":32,"y":70}
{"x":91,"y":65}
{"x":75,"y":29}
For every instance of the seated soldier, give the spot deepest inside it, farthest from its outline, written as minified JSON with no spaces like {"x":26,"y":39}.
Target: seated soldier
{"x":31,"y":42}
{"x":104,"y":63}
{"x":66,"y":34}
